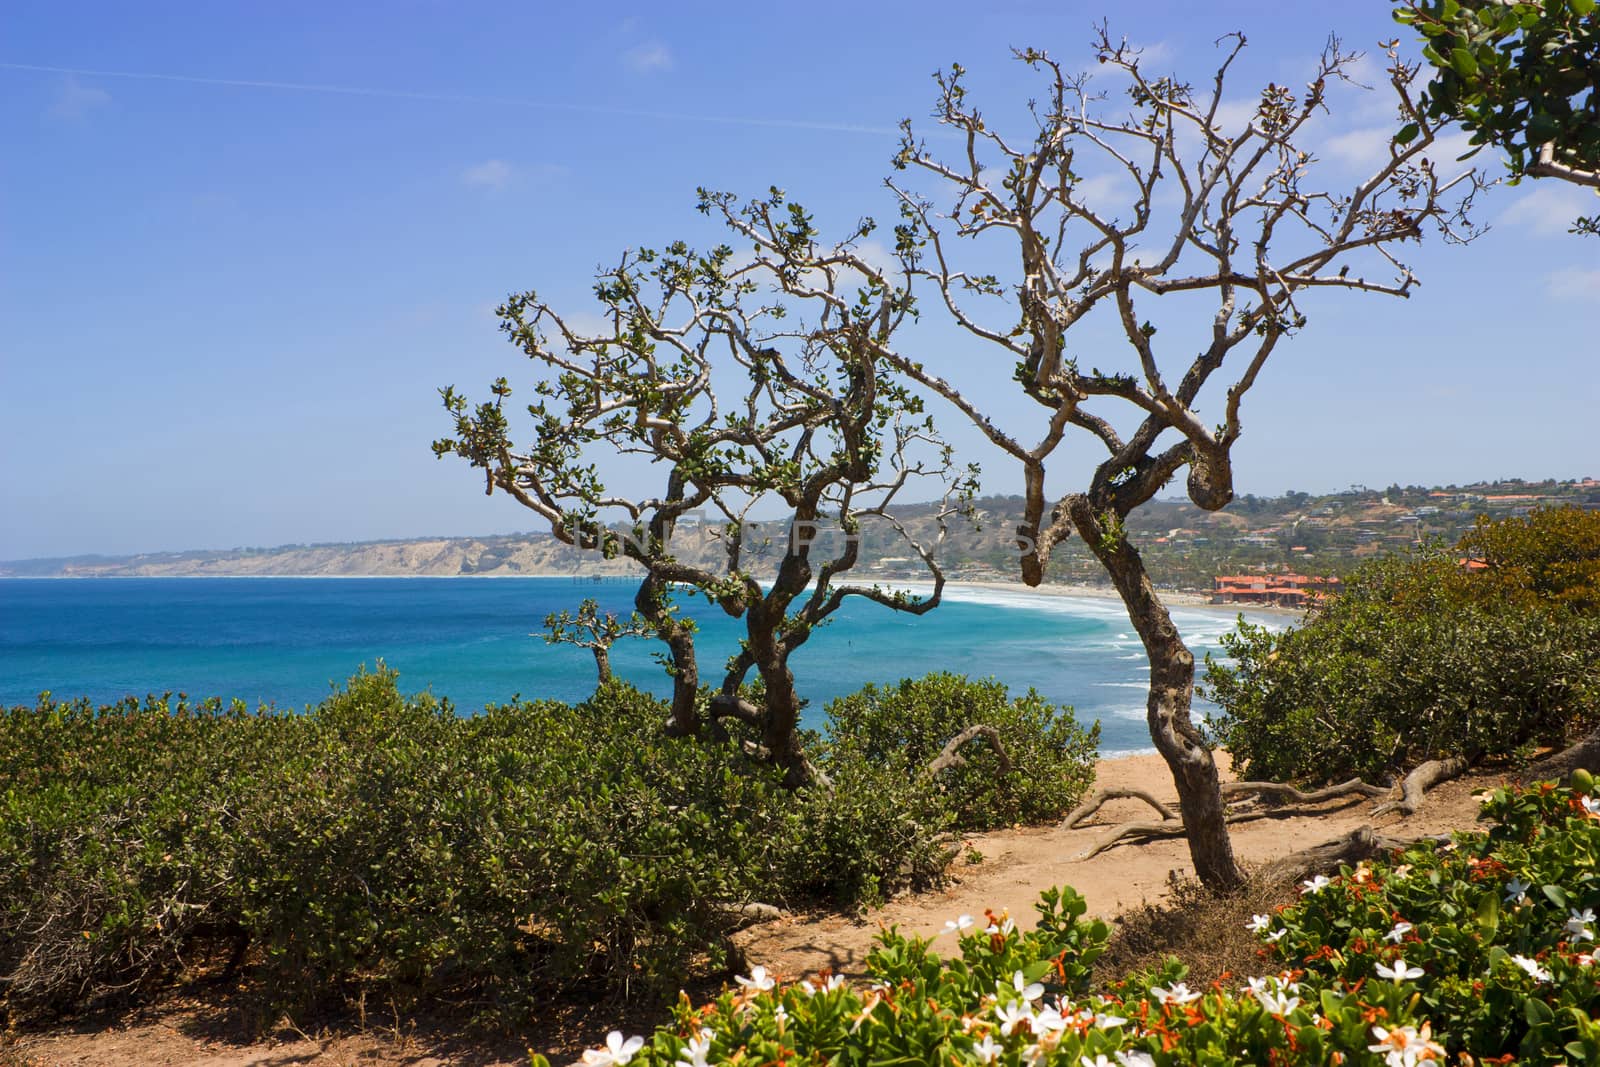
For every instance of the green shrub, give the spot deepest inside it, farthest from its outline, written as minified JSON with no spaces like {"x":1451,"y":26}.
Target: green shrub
{"x":1416,"y":659}
{"x":904,"y":727}
{"x":1494,"y":932}
{"x":1480,"y":950}
{"x":1013,"y":997}
{"x":381,"y":841}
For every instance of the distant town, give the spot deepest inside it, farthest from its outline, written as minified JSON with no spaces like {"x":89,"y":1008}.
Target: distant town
{"x":1282,"y":550}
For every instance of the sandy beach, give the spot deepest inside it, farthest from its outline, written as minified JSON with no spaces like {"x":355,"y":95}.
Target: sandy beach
{"x":1172,"y":598}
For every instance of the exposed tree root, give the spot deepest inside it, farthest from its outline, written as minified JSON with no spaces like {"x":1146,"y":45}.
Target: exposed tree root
{"x":1419,"y":781}
{"x":1354,"y":787}
{"x":1584,"y":754}
{"x":743,"y":915}
{"x":951,"y":755}
{"x":1172,"y":826}
{"x":1362,"y":843}
{"x":1165,"y":828}
{"x":1100,"y":798}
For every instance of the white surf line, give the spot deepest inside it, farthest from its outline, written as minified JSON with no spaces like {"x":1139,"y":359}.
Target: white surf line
{"x":768,"y":122}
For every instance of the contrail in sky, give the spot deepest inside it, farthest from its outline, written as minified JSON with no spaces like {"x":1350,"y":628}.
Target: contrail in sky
{"x":463,"y":98}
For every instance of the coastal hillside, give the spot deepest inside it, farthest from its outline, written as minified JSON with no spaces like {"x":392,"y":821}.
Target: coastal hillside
{"x":1184,"y":546}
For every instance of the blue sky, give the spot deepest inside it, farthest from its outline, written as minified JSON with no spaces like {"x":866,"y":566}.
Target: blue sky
{"x":231,"y":282}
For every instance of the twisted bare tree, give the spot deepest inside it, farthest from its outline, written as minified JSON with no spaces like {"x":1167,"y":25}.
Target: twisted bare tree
{"x":595,"y":630}
{"x":1220,"y":235}
{"x":758,"y":388}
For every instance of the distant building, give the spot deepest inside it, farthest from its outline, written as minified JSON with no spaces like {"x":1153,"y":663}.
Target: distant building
{"x":1279,"y":590}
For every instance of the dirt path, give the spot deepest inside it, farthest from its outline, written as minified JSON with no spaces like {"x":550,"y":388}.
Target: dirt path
{"x":1016,"y":865}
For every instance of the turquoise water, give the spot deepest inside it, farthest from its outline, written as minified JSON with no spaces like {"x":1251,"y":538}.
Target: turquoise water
{"x":285,"y":641}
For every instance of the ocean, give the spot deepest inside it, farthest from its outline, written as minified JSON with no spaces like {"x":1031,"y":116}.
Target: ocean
{"x":287,"y":641}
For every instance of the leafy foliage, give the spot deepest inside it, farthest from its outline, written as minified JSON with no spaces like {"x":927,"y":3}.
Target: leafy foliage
{"x":1520,"y":76}
{"x":904,"y":727}
{"x":382,"y":842}
{"x":1421,"y":658}
{"x":1493,"y":932}
{"x":1478,"y":950}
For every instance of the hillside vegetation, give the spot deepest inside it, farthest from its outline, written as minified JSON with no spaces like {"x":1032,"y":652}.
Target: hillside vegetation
{"x":1186,"y":547}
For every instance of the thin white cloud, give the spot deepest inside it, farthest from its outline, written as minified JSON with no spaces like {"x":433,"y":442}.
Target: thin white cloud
{"x":1367,"y":147}
{"x":1548,"y":208}
{"x":1574,"y":283}
{"x":1360,"y":147}
{"x":1234,"y":115}
{"x":1155,"y":60}
{"x":475,"y":100}
{"x":75,"y":100}
{"x":651,"y":57}
{"x":490,"y":174}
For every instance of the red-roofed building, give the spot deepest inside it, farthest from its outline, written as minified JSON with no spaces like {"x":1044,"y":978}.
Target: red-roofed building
{"x":1279,"y":590}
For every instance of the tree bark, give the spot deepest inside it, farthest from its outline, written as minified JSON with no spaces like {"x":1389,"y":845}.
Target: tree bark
{"x":1423,"y":778}
{"x":679,"y":639}
{"x":602,"y":663}
{"x":780,"y":724}
{"x":1194,"y":772}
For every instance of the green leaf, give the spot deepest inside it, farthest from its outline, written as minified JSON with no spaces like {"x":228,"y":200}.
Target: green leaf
{"x":1463,"y":63}
{"x":1537,"y":1012}
{"x":1581,"y":8}
{"x":1489,"y":913}
{"x":1407,"y":133}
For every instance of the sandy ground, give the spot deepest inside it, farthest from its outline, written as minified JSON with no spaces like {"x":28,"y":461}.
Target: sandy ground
{"x":1015,"y":866}
{"x":1169,"y":597}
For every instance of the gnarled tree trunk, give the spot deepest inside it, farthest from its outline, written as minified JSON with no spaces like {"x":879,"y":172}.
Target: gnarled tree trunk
{"x":1194,"y":771}
{"x":679,"y":639}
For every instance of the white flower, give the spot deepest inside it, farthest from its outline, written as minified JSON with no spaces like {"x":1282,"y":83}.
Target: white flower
{"x":1584,"y":959}
{"x":1517,"y":890}
{"x":1178,"y":994}
{"x":1106,"y":1021}
{"x":1098,"y":1061}
{"x":819,"y":984}
{"x":1399,"y":972}
{"x":780,"y":1016}
{"x":1405,"y":1046}
{"x":1023,"y":988}
{"x":759,"y":980}
{"x":986,"y":1050}
{"x":1591,"y":805}
{"x":1401,"y":929}
{"x":1136,"y":1058}
{"x":1010,"y":1015}
{"x":1006,"y":926}
{"x":695,"y":1050}
{"x":1580,"y":924}
{"x":1536,"y":972}
{"x":1049,"y":1021}
{"x":1277,"y":1003}
{"x":1258,"y":923}
{"x":960,"y":924}
{"x":1315,"y":885}
{"x":1276,"y":935}
{"x":616,"y":1052}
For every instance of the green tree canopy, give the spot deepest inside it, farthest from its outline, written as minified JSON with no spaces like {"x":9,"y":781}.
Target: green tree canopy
{"x":1521,"y":76}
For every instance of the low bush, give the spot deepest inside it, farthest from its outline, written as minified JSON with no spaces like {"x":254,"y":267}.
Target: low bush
{"x":1420,"y":658}
{"x":1477,"y":951}
{"x":1492,"y":933}
{"x":905,"y":726}
{"x":382,"y":842}
{"x":375,"y":841}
